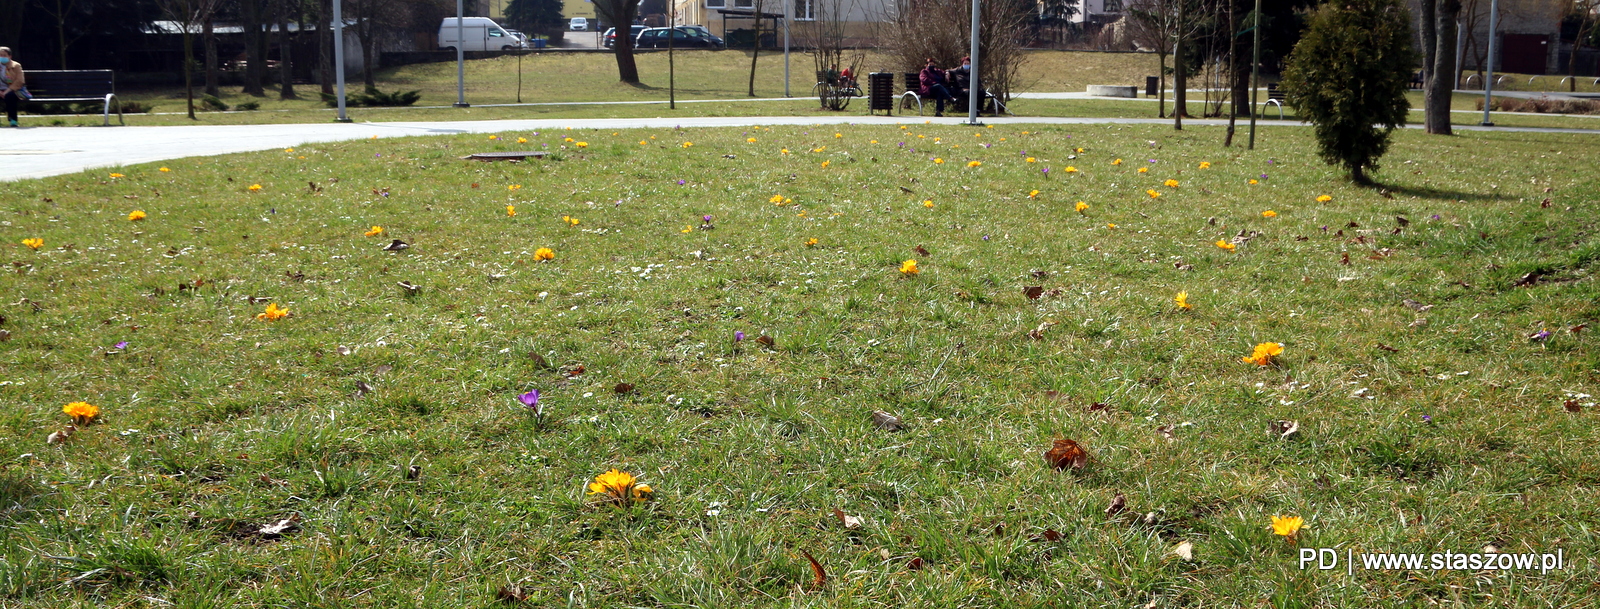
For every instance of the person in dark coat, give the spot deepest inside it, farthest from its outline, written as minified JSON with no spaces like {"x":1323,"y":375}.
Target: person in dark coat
{"x":961,"y":81}
{"x":933,"y":81}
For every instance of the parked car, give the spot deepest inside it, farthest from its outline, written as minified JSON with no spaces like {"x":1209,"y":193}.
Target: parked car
{"x":477,"y":34}
{"x":521,"y":37}
{"x":683,"y":37}
{"x":578,"y":24}
{"x":611,"y":35}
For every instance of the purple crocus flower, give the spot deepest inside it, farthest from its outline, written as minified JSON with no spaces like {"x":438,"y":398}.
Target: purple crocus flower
{"x":1434,"y":217}
{"x":680,"y":182}
{"x":1427,"y":419}
{"x":1540,"y":335}
{"x":1046,"y":170}
{"x":1263,"y":176}
{"x":531,"y":400}
{"x":707,"y":218}
{"x":738,"y":337}
{"x":122,"y":345}
{"x":985,"y":237}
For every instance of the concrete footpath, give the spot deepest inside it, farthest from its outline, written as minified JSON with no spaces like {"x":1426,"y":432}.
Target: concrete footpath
{"x":45,"y":151}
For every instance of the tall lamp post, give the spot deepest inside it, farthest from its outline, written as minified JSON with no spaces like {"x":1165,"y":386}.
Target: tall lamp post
{"x":461,"y":56}
{"x":972,"y":77}
{"x":338,"y":55}
{"x":1488,"y":79}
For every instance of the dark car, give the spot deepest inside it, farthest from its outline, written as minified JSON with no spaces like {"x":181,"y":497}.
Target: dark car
{"x":611,"y":34}
{"x":683,"y":37}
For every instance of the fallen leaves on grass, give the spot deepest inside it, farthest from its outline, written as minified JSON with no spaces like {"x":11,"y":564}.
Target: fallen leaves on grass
{"x":819,"y":576}
{"x":1065,"y":454}
{"x":1033,"y":292}
{"x":279,"y":528}
{"x":887,"y":422}
{"x":1038,"y":332}
{"x":411,"y":289}
{"x":1283,"y":428}
{"x":60,"y":436}
{"x":396,"y":245}
{"x":846,"y":520}
{"x":1184,"y":551}
{"x":1119,"y":504}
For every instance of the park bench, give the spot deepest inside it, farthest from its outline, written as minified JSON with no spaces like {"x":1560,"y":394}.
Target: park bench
{"x":1275,"y":97}
{"x":914,"y":84}
{"x":52,"y":86}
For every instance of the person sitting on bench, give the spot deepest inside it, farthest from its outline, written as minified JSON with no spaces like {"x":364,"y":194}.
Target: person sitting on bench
{"x":961,"y":81}
{"x":933,"y":81}
{"x":15,"y":84}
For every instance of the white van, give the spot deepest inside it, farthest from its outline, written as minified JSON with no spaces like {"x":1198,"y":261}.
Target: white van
{"x":477,"y":34}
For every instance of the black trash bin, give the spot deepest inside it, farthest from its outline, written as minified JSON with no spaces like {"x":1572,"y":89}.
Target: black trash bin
{"x":880,"y":92}
{"x":1152,"y":86}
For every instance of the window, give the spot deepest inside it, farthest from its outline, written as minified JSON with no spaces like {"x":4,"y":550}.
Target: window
{"x":716,"y":3}
{"x":805,"y":10}
{"x":744,"y":3}
{"x":1111,"y":6}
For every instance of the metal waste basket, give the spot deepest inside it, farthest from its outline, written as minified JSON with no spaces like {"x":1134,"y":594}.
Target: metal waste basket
{"x":880,"y":92}
{"x":1152,"y":86}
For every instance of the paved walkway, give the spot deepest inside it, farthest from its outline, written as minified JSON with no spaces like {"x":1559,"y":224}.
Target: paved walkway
{"x":46,"y":151}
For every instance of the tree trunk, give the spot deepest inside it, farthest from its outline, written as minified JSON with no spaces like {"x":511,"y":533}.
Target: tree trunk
{"x":188,"y":61}
{"x":627,"y":69}
{"x":324,"y":47}
{"x":1161,"y":85}
{"x":285,"y":63}
{"x":1440,"y":83}
{"x":755,"y":50}
{"x":210,"y":34}
{"x":255,"y":61}
{"x":61,"y":31}
{"x":1572,"y":62}
{"x":368,"y":43}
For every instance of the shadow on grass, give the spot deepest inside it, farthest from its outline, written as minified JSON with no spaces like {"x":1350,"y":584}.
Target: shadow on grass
{"x":1428,"y":192}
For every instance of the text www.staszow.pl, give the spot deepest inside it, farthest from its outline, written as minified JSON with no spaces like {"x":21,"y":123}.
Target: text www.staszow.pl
{"x":1329,"y":558}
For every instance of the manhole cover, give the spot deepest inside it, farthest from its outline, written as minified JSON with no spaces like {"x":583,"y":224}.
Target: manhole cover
{"x":504,"y":156}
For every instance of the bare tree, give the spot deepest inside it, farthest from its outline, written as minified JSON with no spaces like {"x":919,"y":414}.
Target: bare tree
{"x":62,"y":12}
{"x":621,"y":14}
{"x":189,"y":14}
{"x":918,"y":30}
{"x":285,"y":62}
{"x":755,"y":49}
{"x":824,"y":36}
{"x":1153,"y":24}
{"x":1438,"y":19}
{"x":1586,"y":12}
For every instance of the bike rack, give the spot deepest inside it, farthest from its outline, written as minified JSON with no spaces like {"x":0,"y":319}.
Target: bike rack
{"x":1469,"y":80}
{"x":1275,"y":103}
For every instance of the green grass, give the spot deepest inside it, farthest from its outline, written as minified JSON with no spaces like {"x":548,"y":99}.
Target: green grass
{"x":214,"y":423}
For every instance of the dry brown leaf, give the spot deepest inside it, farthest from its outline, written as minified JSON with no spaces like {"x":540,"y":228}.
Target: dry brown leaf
{"x":915,"y":564}
{"x":511,"y":593}
{"x":280,"y":527}
{"x":1066,"y":454}
{"x":1033,"y":292}
{"x":383,"y":369}
{"x":623,"y":388}
{"x":1184,"y":550}
{"x":1344,"y":258}
{"x":886,"y":421}
{"x":414,"y":472}
{"x":1119,"y":504}
{"x":1570,"y":405}
{"x":60,"y":437}
{"x":1283,"y":428}
{"x":342,"y":350}
{"x":766,"y":341}
{"x":1038,"y":333}
{"x":921,"y":251}
{"x":410,"y":288}
{"x":849,"y":522}
{"x":819,"y":576}
{"x":1166,"y":432}
{"x":362,"y":388}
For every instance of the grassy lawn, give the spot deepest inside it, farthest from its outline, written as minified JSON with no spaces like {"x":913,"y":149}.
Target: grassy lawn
{"x":1428,"y":419}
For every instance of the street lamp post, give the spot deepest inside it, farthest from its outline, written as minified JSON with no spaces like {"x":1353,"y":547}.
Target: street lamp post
{"x":338,"y":55}
{"x":1488,"y":78}
{"x":973,"y":95}
{"x":461,"y":56}
{"x":1255,"y":72}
